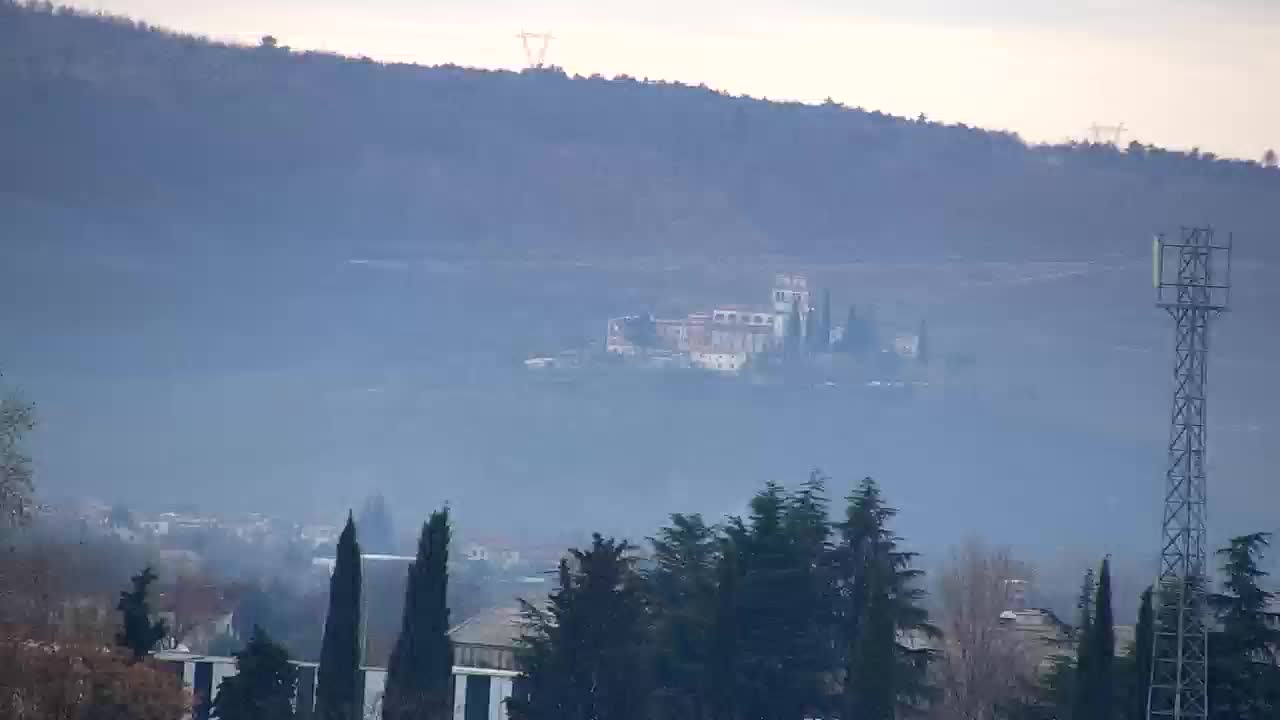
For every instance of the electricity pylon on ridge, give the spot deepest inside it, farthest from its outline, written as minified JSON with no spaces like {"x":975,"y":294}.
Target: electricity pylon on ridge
{"x":1192,"y":278}
{"x":1107,"y":134}
{"x":535,"y":48}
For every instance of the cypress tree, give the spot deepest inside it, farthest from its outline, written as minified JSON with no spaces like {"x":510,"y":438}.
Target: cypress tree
{"x":1102,"y":649}
{"x":1084,"y":636}
{"x":824,"y":324}
{"x":879,"y":612}
{"x":338,"y":679}
{"x":421,"y":662}
{"x":263,"y":686}
{"x":849,"y":342}
{"x":794,"y":335}
{"x":1143,"y":645}
{"x":138,"y":633}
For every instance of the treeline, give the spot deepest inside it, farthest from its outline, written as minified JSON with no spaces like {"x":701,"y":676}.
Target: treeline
{"x":783,"y":614}
{"x":788,"y":614}
{"x":111,"y":122}
{"x":792,"y":612}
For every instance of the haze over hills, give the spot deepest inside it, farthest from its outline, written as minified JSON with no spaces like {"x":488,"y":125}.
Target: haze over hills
{"x":249,"y":276}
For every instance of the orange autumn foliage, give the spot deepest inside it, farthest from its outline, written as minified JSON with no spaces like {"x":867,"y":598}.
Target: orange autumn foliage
{"x":41,"y":681}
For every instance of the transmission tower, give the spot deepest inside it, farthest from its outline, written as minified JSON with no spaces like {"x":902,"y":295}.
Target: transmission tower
{"x":535,"y":48}
{"x":1193,"y":283}
{"x":1107,"y":134}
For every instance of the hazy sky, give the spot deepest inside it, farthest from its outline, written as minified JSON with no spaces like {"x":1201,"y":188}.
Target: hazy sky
{"x":1180,"y":73}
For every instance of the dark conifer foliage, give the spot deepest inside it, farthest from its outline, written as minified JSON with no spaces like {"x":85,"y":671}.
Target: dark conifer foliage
{"x":683,"y":584}
{"x":1100,"y":680}
{"x":587,"y":654}
{"x":422,"y":660}
{"x":1244,"y":680}
{"x":377,"y":532}
{"x":1139,"y":680}
{"x":1084,"y":637}
{"x":824,"y":323}
{"x":883,"y":628}
{"x":263,"y":686}
{"x":139,"y":633}
{"x":338,"y":679}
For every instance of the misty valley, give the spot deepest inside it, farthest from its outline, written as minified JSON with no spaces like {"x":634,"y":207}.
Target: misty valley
{"x":343,"y":388}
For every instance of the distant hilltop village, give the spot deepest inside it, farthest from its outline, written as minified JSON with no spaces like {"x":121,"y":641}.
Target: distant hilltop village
{"x":729,"y":338}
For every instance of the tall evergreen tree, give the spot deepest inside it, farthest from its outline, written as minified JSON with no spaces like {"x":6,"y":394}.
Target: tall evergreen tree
{"x":859,"y":332}
{"x":1084,"y":636}
{"x":586,"y":654}
{"x":683,"y":587}
{"x":880,"y":615}
{"x":811,"y":330}
{"x":1243,"y":676}
{"x":377,"y":532}
{"x":1102,"y":650}
{"x":1140,"y":659}
{"x":338,"y":679}
{"x":139,"y":634}
{"x":794,"y":330}
{"x":421,"y":663}
{"x":725,"y":655}
{"x":824,"y":323}
{"x":781,"y":654}
{"x":848,"y":341}
{"x":263,"y":686}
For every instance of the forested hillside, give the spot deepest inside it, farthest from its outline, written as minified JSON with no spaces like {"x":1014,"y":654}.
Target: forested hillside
{"x":113,"y":125}
{"x":333,"y":269}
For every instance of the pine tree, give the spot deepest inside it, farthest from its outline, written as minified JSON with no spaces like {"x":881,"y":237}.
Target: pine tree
{"x":139,"y":634}
{"x":421,"y":663}
{"x":586,"y":654}
{"x":683,"y":587}
{"x":263,"y":686}
{"x":879,"y":613}
{"x":725,"y":656}
{"x":1243,"y":677}
{"x":338,"y":679}
{"x":780,"y":669}
{"x":1102,"y":650}
{"x":1140,"y":659}
{"x":1084,"y":636}
{"x":807,"y":523}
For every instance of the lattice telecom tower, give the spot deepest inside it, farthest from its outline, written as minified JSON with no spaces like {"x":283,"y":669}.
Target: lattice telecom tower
{"x":1193,"y":283}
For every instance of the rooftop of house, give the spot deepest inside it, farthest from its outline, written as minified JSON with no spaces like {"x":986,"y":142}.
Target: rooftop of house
{"x":499,"y":627}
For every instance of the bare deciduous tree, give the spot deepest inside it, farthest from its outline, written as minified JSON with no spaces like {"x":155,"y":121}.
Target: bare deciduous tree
{"x":986,"y":664}
{"x":16,"y":492}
